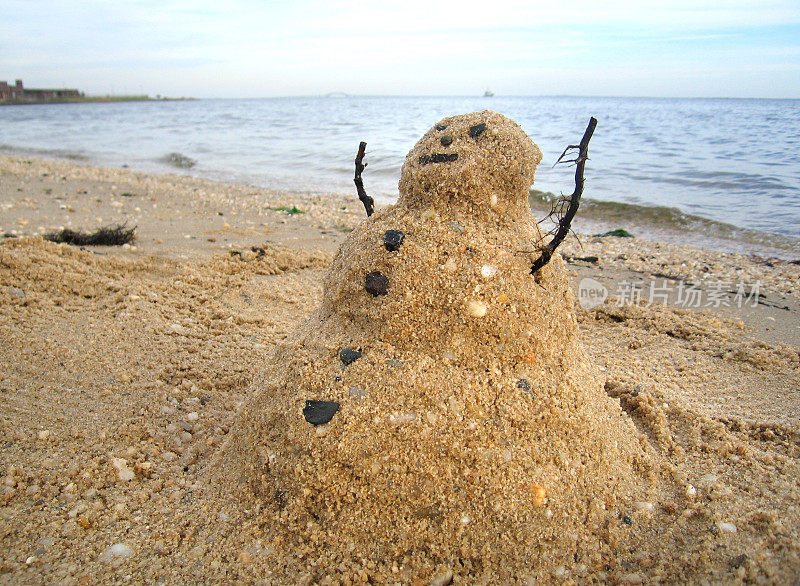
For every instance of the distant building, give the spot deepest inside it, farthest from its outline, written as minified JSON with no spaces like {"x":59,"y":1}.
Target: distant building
{"x":17,"y":94}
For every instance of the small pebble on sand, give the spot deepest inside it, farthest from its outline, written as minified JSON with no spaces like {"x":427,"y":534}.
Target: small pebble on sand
{"x":488,"y":271}
{"x":538,"y":495}
{"x":120,"y":465}
{"x":708,"y":480}
{"x":476,"y":308}
{"x":442,"y":579}
{"x":356,"y":393}
{"x":116,"y":551}
{"x":402,"y":418}
{"x":144,"y":469}
{"x":456,"y":227}
{"x":349,"y":355}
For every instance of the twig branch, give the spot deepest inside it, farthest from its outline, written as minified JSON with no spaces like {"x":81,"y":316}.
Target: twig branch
{"x":369,"y":203}
{"x":573,"y":201}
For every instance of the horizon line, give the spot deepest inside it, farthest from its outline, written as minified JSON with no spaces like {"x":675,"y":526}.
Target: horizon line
{"x":342,"y":95}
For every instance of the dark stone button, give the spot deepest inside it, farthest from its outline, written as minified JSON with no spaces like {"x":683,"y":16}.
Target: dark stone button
{"x":349,"y":356}
{"x":376,"y":284}
{"x":393,"y":239}
{"x":523,"y":384}
{"x":446,"y":140}
{"x":440,"y":126}
{"x":477,"y":130}
{"x":320,"y":412}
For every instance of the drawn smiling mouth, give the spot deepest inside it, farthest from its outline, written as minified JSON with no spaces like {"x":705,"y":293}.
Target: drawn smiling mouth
{"x":437,"y":158}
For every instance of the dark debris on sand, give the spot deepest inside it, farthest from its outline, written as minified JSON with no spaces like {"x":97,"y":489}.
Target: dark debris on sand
{"x":106,"y":236}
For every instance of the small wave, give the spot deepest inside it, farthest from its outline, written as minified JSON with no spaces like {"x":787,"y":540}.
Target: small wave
{"x":722,"y":181}
{"x":47,"y":153}
{"x":654,"y":218}
{"x":178,"y":160}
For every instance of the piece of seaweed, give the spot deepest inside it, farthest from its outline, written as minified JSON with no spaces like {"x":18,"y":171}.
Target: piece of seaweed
{"x":105,"y":236}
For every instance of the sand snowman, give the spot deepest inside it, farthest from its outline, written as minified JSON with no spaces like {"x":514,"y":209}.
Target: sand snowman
{"x":439,"y":406}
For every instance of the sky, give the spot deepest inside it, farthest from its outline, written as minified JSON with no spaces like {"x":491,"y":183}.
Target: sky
{"x":248,"y":48}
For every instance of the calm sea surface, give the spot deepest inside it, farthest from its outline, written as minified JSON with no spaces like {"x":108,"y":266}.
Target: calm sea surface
{"x":714,"y":167}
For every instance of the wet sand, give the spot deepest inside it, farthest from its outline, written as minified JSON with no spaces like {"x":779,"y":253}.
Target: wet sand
{"x":123,"y":369}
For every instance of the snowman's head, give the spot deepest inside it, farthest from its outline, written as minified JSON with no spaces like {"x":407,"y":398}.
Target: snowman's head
{"x":481,"y":159}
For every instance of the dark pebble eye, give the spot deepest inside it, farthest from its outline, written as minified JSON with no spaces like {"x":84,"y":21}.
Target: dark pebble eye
{"x":446,"y":140}
{"x":477,"y":130}
{"x":440,"y":126}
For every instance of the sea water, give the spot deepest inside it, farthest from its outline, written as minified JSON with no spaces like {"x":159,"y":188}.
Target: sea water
{"x":698,"y":169}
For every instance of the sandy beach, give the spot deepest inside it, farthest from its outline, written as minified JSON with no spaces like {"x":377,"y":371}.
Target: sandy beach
{"x":122,"y":370}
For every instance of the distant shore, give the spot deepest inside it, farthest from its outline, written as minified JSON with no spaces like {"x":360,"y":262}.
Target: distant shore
{"x":92,"y":99}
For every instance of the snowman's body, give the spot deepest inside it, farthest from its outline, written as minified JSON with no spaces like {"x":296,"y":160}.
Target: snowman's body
{"x":462,"y":412}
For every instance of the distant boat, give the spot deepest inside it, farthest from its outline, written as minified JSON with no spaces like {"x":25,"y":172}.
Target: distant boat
{"x":488,"y":94}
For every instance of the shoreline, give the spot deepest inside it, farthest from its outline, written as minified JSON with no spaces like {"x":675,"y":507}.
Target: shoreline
{"x":184,"y":217}
{"x":658,"y":223}
{"x":176,"y":215}
{"x":125,"y":366}
{"x":650,"y":222}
